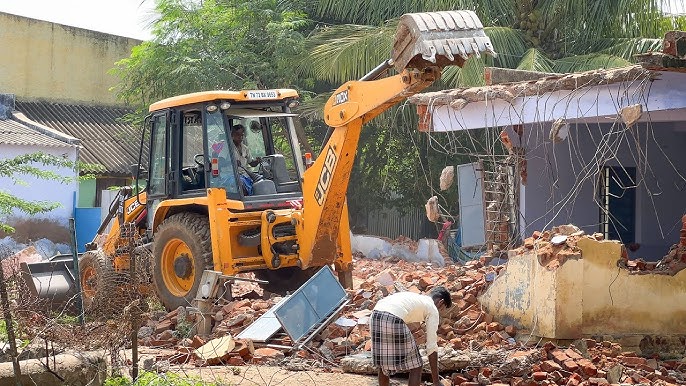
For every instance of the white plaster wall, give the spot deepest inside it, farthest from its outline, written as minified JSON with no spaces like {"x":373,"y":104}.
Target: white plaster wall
{"x":43,"y":190}
{"x":660,"y":195}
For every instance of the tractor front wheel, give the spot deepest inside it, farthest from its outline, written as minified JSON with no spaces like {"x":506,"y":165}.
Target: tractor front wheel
{"x":182,"y":250}
{"x":97,"y":280}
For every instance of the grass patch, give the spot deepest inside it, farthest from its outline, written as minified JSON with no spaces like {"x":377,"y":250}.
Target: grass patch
{"x":154,"y":379}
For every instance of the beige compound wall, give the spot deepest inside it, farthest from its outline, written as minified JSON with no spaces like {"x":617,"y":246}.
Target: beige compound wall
{"x":43,"y":60}
{"x":588,"y":295}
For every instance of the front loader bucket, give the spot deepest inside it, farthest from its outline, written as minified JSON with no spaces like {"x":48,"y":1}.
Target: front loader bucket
{"x":52,"y":279}
{"x":438,"y":39}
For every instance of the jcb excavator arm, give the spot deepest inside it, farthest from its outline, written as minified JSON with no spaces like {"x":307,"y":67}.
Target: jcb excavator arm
{"x":424,"y":44}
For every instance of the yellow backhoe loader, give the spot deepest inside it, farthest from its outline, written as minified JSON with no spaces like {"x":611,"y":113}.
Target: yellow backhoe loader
{"x":227,"y":187}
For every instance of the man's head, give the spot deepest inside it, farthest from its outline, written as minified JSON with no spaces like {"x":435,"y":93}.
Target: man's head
{"x":441,"y":297}
{"x":237,"y":134}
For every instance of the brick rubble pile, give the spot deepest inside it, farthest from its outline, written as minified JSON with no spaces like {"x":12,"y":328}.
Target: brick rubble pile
{"x":474,"y":350}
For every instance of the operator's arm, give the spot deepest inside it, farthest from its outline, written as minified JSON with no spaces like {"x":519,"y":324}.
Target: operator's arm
{"x":432,"y":341}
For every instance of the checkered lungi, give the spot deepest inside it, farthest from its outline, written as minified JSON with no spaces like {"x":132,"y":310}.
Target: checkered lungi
{"x":393,"y":346}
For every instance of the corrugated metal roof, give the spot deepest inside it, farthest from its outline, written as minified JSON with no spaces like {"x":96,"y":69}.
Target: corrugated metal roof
{"x":105,"y":140}
{"x":15,"y":133}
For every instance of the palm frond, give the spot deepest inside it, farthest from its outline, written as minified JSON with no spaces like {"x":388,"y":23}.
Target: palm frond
{"x":627,"y":48}
{"x":535,"y":60}
{"x":509,"y":43}
{"x":588,"y":62}
{"x":344,"y":52}
{"x":313,"y":108}
{"x":471,"y":74}
{"x":377,"y":12}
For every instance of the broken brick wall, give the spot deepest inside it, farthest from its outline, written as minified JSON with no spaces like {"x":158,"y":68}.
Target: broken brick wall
{"x":586,"y":296}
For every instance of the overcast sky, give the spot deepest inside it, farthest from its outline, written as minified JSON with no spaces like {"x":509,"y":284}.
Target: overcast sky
{"x":123,"y":17}
{"x":118,"y":17}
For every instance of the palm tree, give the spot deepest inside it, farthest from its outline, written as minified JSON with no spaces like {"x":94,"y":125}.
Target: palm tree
{"x":539,"y":35}
{"x":354,"y":36}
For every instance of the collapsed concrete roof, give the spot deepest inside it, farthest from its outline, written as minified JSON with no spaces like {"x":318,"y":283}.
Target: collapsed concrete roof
{"x":597,"y":95}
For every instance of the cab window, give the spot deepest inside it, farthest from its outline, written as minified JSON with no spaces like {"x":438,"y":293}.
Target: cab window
{"x":192,"y":172}
{"x":218,"y":147}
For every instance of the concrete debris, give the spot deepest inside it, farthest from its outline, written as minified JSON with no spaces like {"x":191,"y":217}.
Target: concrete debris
{"x":400,"y":249}
{"x":559,"y":131}
{"x":631,"y":114}
{"x":10,"y":266}
{"x":447,"y":176}
{"x":432,"y":212}
{"x":216,"y":351}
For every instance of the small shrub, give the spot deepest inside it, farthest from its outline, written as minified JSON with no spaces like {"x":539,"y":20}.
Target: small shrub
{"x":154,"y":379}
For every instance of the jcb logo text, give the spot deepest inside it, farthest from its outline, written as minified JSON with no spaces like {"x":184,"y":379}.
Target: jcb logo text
{"x":341,"y":97}
{"x":325,"y":178}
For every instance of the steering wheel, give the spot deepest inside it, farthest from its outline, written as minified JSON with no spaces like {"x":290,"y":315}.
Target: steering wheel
{"x":199,"y":159}
{"x":265,"y":167}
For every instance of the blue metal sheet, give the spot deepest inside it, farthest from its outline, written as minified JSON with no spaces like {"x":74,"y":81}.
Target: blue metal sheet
{"x":310,"y":304}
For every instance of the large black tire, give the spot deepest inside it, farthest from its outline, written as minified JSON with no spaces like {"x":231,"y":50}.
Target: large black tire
{"x":285,"y":280}
{"x":98,"y":281}
{"x":182,"y":250}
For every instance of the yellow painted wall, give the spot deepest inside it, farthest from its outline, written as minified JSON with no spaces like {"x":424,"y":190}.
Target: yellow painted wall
{"x":587,"y":296}
{"x":43,"y":60}
{"x":530,"y":296}
{"x":616,"y":302}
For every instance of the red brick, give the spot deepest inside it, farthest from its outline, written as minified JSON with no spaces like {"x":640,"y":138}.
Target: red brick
{"x":540,"y":376}
{"x":268,"y":352}
{"x":559,"y":356}
{"x":458,"y":379}
{"x":425,"y":282}
{"x":511,"y":330}
{"x":494,"y":326}
{"x":162,"y":326}
{"x":470,"y":298}
{"x":574,"y":379}
{"x":633,"y":361}
{"x":598,"y":381}
{"x":235,"y":361}
{"x":550,"y":366}
{"x":197,"y":341}
{"x":570,"y":365}
{"x":573,"y":354}
{"x":588,"y":367}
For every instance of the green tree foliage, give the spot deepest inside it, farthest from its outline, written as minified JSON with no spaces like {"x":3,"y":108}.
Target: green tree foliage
{"x":213,"y":44}
{"x":317,"y":45}
{"x":540,"y":35}
{"x":34,"y":165}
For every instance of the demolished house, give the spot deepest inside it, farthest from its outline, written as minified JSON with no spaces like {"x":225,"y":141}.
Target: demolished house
{"x":602,"y":150}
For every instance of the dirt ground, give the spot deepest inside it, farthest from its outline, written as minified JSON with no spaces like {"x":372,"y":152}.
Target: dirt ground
{"x":275,"y":376}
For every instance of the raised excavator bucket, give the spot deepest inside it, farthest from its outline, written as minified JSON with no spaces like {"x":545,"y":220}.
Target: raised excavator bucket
{"x":438,"y":39}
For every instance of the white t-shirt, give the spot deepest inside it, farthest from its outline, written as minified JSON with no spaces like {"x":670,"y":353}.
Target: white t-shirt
{"x":413,"y":308}
{"x":243,"y":154}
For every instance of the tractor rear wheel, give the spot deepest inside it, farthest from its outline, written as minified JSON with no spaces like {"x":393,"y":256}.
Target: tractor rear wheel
{"x":182,"y":250}
{"x":97,"y":280}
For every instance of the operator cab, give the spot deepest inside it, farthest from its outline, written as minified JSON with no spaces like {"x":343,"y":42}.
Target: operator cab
{"x":243,"y":142}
